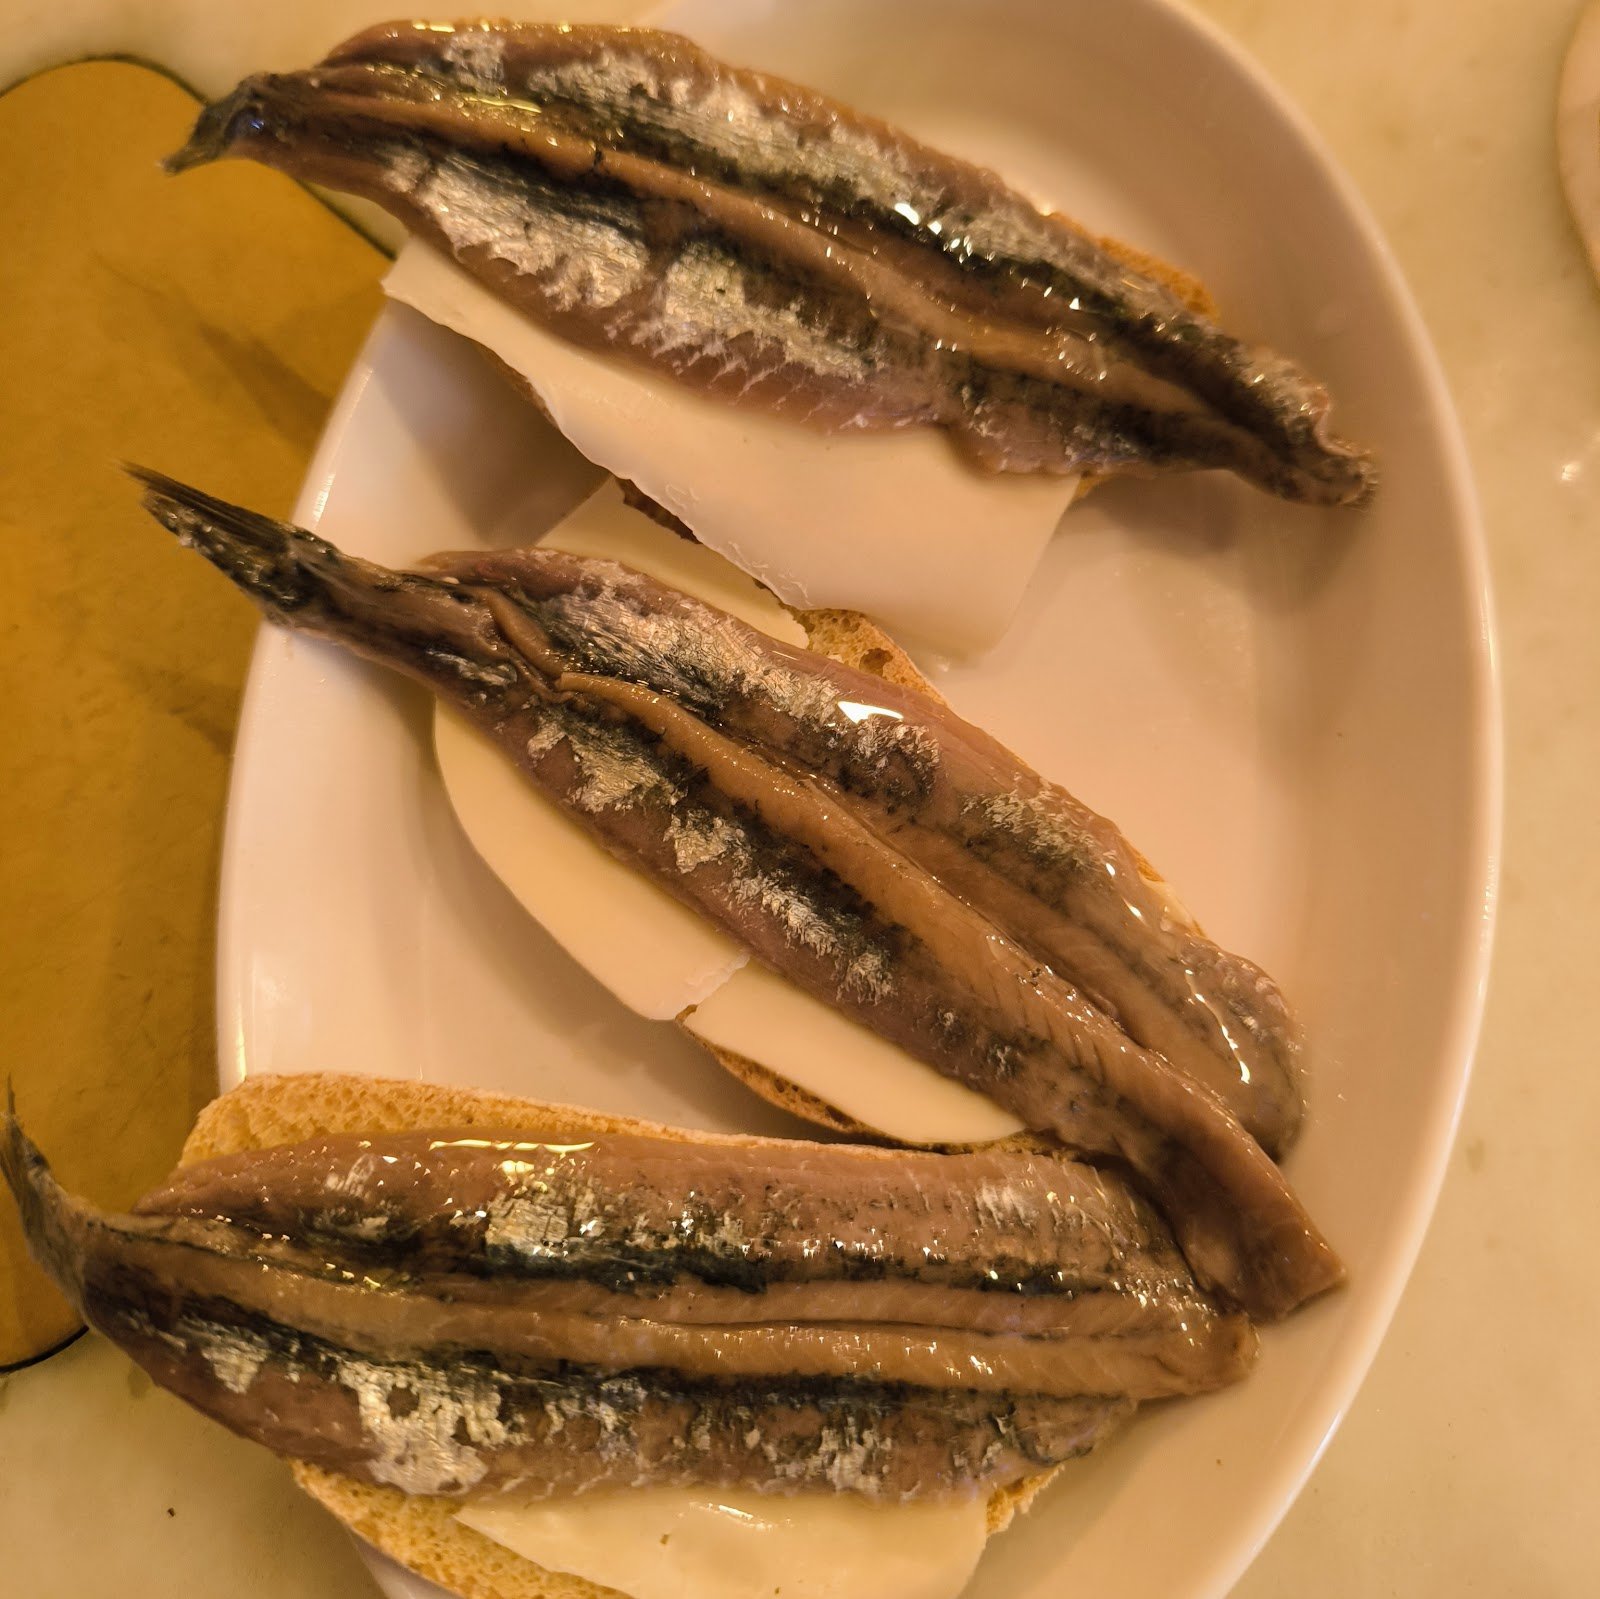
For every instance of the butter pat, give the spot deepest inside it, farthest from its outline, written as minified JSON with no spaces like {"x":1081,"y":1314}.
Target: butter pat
{"x":897,"y":525}
{"x":757,"y":1014}
{"x":654,"y":954}
{"x":684,"y":1543}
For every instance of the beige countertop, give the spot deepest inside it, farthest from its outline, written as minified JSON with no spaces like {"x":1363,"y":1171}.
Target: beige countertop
{"x":1470,"y":1461}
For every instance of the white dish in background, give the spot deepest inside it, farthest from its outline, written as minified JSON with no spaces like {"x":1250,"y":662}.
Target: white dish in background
{"x":1291,"y":712}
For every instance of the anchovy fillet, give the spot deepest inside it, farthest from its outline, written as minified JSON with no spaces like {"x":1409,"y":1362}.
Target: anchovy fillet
{"x":638,"y":1214}
{"x":1004,"y":1272}
{"x":402,"y":1379}
{"x":772,"y":246}
{"x":1061,"y":881}
{"x":802,"y":880}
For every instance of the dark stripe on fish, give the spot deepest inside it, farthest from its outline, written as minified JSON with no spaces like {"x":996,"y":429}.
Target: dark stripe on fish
{"x":523,"y":1333}
{"x":636,"y":1214}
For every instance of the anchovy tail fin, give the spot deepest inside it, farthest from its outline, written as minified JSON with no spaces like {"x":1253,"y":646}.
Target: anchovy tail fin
{"x":50,"y":1220}
{"x":432,"y":628}
{"x":219,"y":127}
{"x":266,"y":558}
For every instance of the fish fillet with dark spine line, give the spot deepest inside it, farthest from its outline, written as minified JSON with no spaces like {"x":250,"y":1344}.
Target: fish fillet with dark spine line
{"x":1061,"y":881}
{"x":302,"y":1341}
{"x":762,"y":242}
{"x":476,"y":1430}
{"x":798,"y":876}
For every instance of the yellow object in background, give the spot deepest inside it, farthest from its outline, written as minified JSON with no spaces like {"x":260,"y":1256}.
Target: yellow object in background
{"x":202,"y":326}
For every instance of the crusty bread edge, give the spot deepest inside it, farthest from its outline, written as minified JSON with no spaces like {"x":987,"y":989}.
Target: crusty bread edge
{"x":422,"y":1534}
{"x":274,"y":1108}
{"x":767,"y":1084}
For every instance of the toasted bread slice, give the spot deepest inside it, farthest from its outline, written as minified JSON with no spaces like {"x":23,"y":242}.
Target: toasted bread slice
{"x":422,"y":1534}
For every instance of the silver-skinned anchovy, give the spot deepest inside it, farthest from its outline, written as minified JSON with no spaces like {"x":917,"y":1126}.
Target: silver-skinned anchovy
{"x":400,"y":1307}
{"x":807,"y":876}
{"x":771,"y":246}
{"x":1060,"y":880}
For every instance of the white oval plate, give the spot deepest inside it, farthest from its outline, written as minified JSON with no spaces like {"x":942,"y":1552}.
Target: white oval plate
{"x":1291,"y":712}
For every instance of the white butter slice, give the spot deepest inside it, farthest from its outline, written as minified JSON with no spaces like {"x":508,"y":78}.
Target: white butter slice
{"x":758,"y":1014}
{"x":679,"y":1543}
{"x":654,"y":954}
{"x":606,"y":527}
{"x":657,"y":956}
{"x":895,"y":524}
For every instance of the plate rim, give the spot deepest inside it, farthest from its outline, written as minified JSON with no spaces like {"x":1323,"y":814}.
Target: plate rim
{"x":1484,"y":802}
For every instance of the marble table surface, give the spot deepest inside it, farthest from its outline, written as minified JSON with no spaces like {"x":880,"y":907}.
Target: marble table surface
{"x":1470,"y":1461}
